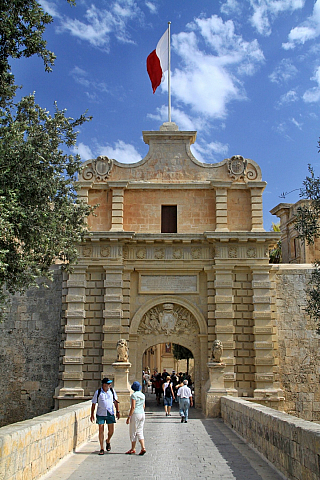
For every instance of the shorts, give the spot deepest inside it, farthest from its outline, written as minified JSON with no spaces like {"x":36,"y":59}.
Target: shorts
{"x":101,"y":420}
{"x":167,"y":401}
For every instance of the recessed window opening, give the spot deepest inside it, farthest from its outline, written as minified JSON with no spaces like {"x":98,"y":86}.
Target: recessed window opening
{"x":168,"y":218}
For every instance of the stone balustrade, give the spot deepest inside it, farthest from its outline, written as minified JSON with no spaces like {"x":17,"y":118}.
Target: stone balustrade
{"x":291,"y":444}
{"x":31,"y":448}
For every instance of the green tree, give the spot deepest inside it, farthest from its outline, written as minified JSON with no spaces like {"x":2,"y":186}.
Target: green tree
{"x":182,"y":353}
{"x":308,"y":226}
{"x":41,"y":217}
{"x":275,"y":254}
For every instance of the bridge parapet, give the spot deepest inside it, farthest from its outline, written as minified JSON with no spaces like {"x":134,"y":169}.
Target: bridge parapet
{"x":31,"y":448}
{"x":291,"y":444}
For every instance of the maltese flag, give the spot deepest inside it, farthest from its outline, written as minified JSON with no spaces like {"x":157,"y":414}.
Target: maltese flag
{"x":157,"y":61}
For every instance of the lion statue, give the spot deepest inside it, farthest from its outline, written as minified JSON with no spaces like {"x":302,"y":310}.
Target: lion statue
{"x":217,"y":350}
{"x":122,"y":350}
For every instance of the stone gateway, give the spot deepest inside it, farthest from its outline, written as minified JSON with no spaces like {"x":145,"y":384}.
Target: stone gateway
{"x":177,"y":254}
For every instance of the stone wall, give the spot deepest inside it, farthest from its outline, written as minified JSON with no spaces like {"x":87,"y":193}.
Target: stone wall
{"x":29,"y":352}
{"x":31,"y":448}
{"x":299,"y":344}
{"x":292,"y":445}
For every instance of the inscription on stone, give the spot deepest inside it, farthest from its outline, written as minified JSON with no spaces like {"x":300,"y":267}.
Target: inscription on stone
{"x":168,"y":283}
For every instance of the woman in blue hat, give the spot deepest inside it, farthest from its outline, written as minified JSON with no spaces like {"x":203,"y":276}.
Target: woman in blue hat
{"x":136,"y":419}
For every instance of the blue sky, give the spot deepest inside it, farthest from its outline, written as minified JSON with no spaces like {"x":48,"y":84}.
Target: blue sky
{"x":245,"y":75}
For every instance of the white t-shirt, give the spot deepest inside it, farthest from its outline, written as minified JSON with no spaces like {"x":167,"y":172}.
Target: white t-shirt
{"x":105,"y":402}
{"x":184,"y":392}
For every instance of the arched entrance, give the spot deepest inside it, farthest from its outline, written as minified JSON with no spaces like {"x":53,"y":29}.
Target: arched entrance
{"x":170,"y":319}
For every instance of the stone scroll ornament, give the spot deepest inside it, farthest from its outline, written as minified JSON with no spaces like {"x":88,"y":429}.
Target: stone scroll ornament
{"x":122,"y":351}
{"x":216,"y":352}
{"x":100,"y":168}
{"x":169,"y":319}
{"x":239,"y":167}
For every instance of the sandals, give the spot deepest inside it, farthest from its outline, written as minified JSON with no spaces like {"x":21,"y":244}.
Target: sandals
{"x":108,"y":447}
{"x":101,"y":452}
{"x":130,"y":452}
{"x":143,"y":451}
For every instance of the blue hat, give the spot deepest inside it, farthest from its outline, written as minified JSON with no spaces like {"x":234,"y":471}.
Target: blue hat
{"x":106,"y":380}
{"x":136,"y":386}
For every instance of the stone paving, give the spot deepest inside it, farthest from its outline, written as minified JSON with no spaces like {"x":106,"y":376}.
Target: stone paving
{"x":202,"y":448}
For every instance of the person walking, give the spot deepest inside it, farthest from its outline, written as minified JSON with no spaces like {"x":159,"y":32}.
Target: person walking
{"x":185,"y":400}
{"x":136,"y":419}
{"x":168,"y":396}
{"x":158,"y":387}
{"x":106,"y":398}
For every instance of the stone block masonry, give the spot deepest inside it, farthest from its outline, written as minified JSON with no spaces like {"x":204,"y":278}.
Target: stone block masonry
{"x":31,"y":448}
{"x":29,"y":352}
{"x":292,"y":445}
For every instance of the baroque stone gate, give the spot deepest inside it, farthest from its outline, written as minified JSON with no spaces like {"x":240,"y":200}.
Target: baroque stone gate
{"x":177,"y":254}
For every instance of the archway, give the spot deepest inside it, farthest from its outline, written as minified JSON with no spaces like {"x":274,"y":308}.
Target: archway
{"x":169,"y":319}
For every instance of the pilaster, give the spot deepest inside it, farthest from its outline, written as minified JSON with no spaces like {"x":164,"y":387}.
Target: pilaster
{"x":74,"y":344}
{"x":256,"y":210}
{"x":112,"y":315}
{"x":221,"y":209}
{"x":264,"y":341}
{"x":224,"y":316}
{"x":117,"y":205}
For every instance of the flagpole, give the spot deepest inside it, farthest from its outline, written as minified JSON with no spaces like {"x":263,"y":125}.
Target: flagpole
{"x":169,"y":68}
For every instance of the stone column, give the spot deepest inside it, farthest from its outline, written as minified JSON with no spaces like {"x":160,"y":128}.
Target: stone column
{"x":122,"y":386}
{"x":215,"y":389}
{"x":224,"y":315}
{"x":112,"y":315}
{"x":221,"y":209}
{"x":264,"y":344}
{"x":117,"y":205}
{"x":256,"y":210}
{"x":74,"y":343}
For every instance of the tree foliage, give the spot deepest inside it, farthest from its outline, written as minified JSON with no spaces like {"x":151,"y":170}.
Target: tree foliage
{"x":182,"y":353}
{"x":41,"y":216}
{"x":275,"y":254}
{"x":308,"y":227}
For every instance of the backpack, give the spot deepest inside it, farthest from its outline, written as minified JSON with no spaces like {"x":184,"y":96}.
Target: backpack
{"x":168,"y":392}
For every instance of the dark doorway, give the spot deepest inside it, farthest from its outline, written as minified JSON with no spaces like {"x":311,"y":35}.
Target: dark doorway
{"x":169,"y":219}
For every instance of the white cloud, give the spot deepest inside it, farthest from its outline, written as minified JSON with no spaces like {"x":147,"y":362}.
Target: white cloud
{"x":84,"y":151}
{"x":231,"y":7}
{"x":99,"y":24}
{"x":50,"y":8}
{"x":283,"y":72}
{"x":313,"y":94}
{"x":210,"y":79}
{"x":121,"y":151}
{"x":265,"y":11}
{"x":152,"y":7}
{"x":308,"y":30}
{"x":296,"y":123}
{"x":184,"y":121}
{"x":289,"y":97}
{"x":82,"y":77}
{"x":209,"y":152}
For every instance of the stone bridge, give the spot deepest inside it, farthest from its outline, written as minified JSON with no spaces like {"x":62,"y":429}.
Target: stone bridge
{"x":32,"y":448}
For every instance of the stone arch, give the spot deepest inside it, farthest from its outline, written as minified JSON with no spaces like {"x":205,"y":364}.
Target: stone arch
{"x":197,"y":342}
{"x":136,"y":319}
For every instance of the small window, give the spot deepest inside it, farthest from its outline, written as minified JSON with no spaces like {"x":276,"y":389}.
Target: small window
{"x":169,"y":219}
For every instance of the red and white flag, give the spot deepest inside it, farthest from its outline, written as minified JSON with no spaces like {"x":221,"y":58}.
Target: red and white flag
{"x":157,"y":61}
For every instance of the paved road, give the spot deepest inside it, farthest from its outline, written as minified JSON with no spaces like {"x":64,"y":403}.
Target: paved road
{"x":202,"y":448}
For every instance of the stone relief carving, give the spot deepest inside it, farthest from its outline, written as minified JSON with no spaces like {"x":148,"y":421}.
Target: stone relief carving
{"x":141,"y":253}
{"x":122,"y":351}
{"x":177,"y":253}
{"x":251,"y":172}
{"x":125,"y":253}
{"x":168,"y":318}
{"x":232,"y":252}
{"x":87,"y":251}
{"x":196,"y":252}
{"x":105,"y":251}
{"x":216,"y":352}
{"x":251,"y":252}
{"x":159,"y":253}
{"x":100,"y":168}
{"x":237,"y":166}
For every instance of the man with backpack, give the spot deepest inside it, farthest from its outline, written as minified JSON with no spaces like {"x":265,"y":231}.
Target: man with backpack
{"x":107,"y":399}
{"x":168,"y":396}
